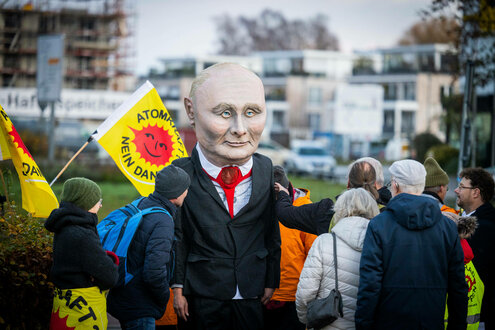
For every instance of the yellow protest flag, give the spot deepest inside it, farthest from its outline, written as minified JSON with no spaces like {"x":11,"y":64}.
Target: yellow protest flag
{"x":37,"y":196}
{"x":141,"y":138}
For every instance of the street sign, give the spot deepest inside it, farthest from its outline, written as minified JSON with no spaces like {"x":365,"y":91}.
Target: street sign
{"x":49,"y":67}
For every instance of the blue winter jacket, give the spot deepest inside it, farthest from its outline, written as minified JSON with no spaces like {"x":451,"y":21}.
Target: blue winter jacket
{"x":411,"y":259}
{"x":149,"y":260}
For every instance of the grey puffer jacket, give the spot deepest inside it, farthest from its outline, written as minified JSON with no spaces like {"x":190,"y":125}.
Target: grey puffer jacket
{"x":79,"y":260}
{"x":318,"y":275}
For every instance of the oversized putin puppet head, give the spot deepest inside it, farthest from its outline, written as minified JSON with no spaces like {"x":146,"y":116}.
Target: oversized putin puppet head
{"x":226,"y":107}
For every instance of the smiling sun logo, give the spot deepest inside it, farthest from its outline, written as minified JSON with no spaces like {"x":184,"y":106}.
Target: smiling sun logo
{"x":17,"y":139}
{"x":154,"y":144}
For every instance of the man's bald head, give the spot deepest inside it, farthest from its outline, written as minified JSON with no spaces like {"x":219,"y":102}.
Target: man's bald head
{"x":227,"y":109}
{"x":211,"y":70}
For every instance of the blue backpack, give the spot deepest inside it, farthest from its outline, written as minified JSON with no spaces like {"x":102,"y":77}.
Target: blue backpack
{"x":117,"y":230}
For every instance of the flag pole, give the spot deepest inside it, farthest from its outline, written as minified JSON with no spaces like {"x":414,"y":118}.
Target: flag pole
{"x":70,"y":161}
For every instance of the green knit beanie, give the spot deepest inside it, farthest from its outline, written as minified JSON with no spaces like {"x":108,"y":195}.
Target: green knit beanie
{"x":435,"y":176}
{"x":81,"y":192}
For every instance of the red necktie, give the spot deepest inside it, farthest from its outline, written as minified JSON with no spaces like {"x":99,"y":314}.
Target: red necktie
{"x":228,"y":179}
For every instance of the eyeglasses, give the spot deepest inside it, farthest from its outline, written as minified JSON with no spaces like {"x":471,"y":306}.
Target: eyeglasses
{"x":460,"y":187}
{"x":101,"y":202}
{"x":389,"y":184}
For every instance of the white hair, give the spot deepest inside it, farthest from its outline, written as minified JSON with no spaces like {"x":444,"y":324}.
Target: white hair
{"x":380,"y":180}
{"x":416,"y":189}
{"x":355,"y":202}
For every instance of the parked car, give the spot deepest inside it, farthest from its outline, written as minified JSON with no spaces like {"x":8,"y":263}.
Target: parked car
{"x":275,"y":151}
{"x":309,"y":157}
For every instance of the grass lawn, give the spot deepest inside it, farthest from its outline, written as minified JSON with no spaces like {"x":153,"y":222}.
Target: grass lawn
{"x":318,"y":188}
{"x":116,"y":195}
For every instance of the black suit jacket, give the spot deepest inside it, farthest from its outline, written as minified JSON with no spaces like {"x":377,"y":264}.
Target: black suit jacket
{"x":216,"y":252}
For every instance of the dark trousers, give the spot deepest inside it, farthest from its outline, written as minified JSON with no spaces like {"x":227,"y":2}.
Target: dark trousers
{"x":213,"y":314}
{"x":283,"y":317}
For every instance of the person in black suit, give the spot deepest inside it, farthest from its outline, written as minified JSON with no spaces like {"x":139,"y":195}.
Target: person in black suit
{"x":228,"y":239}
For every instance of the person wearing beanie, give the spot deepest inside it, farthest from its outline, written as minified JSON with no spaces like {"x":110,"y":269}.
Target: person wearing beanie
{"x":412,"y":261}
{"x":81,"y":268}
{"x":436,"y":184}
{"x":150,"y":255}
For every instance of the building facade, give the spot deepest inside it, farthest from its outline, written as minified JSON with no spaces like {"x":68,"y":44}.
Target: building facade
{"x":97,"y":42}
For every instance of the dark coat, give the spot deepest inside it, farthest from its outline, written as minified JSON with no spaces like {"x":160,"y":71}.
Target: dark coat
{"x":149,"y":260}
{"x":310,"y":218}
{"x":384,"y":196}
{"x":79,"y":260}
{"x":411,"y":259}
{"x":483,"y":245}
{"x":216,"y":252}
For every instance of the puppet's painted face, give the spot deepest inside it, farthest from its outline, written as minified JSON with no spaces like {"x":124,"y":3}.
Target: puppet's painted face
{"x":151,"y":143}
{"x":229,"y":115}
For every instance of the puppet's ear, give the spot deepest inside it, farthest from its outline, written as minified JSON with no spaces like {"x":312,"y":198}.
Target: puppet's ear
{"x":188,"y":104}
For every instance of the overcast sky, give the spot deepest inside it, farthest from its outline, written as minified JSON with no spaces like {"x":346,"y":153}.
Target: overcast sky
{"x":175,"y":28}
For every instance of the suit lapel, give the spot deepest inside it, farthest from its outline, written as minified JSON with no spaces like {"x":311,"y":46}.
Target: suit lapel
{"x":258,"y":178}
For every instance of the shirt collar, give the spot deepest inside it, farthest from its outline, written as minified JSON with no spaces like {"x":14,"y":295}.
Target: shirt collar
{"x":464,"y":214}
{"x":214,"y":170}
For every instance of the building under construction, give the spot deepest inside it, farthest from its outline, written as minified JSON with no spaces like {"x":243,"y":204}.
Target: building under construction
{"x":98,"y":45}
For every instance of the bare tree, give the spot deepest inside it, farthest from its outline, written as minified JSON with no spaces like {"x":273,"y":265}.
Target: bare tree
{"x":434,"y":30}
{"x":476,"y":31}
{"x":272,"y":31}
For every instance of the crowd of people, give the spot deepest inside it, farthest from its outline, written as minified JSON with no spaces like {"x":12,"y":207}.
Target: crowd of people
{"x":237,"y":246}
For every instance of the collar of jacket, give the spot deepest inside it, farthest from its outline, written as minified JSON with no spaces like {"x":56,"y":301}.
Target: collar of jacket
{"x":485,"y":211}
{"x":167,"y":204}
{"x":434,"y":194}
{"x":259,"y":173}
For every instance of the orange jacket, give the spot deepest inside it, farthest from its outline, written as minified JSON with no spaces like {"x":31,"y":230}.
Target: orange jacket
{"x":169,"y":317}
{"x":446,"y":208}
{"x":295,"y":247}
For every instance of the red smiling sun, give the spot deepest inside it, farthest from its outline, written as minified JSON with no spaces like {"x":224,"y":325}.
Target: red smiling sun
{"x":154,"y":144}
{"x":18,"y":140}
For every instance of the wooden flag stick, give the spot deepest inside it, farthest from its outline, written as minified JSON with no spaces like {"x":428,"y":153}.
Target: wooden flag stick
{"x":70,"y":161}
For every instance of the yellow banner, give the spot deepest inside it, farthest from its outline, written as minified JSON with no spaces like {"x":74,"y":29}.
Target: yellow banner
{"x":141,"y":138}
{"x":37,"y":196}
{"x":79,"y":309}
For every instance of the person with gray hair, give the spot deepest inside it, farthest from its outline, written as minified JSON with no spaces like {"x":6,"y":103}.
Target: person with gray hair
{"x":353,"y":210}
{"x":412,"y":261}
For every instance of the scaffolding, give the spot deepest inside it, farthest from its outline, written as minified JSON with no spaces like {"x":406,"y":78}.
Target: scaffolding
{"x":98,"y":41}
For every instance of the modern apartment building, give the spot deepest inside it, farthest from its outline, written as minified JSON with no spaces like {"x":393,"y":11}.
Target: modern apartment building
{"x":413,"y":79}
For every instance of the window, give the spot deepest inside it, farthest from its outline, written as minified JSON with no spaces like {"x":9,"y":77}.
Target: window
{"x":314,"y":121}
{"x":388,"y":121}
{"x":275,"y":94}
{"x":410,"y":91}
{"x":278,"y":119}
{"x":315,"y":97}
{"x":408,"y":122}
{"x":390,"y":92}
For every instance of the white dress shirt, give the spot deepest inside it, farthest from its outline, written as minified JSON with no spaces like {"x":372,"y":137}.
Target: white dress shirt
{"x":242,"y":192}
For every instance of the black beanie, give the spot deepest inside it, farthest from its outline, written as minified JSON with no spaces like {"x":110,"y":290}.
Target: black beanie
{"x":171,"y":182}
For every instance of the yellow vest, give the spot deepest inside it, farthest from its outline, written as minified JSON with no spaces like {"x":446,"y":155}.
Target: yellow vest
{"x":476,"y":288}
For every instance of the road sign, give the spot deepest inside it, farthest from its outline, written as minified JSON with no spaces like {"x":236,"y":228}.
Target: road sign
{"x":49,"y":67}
